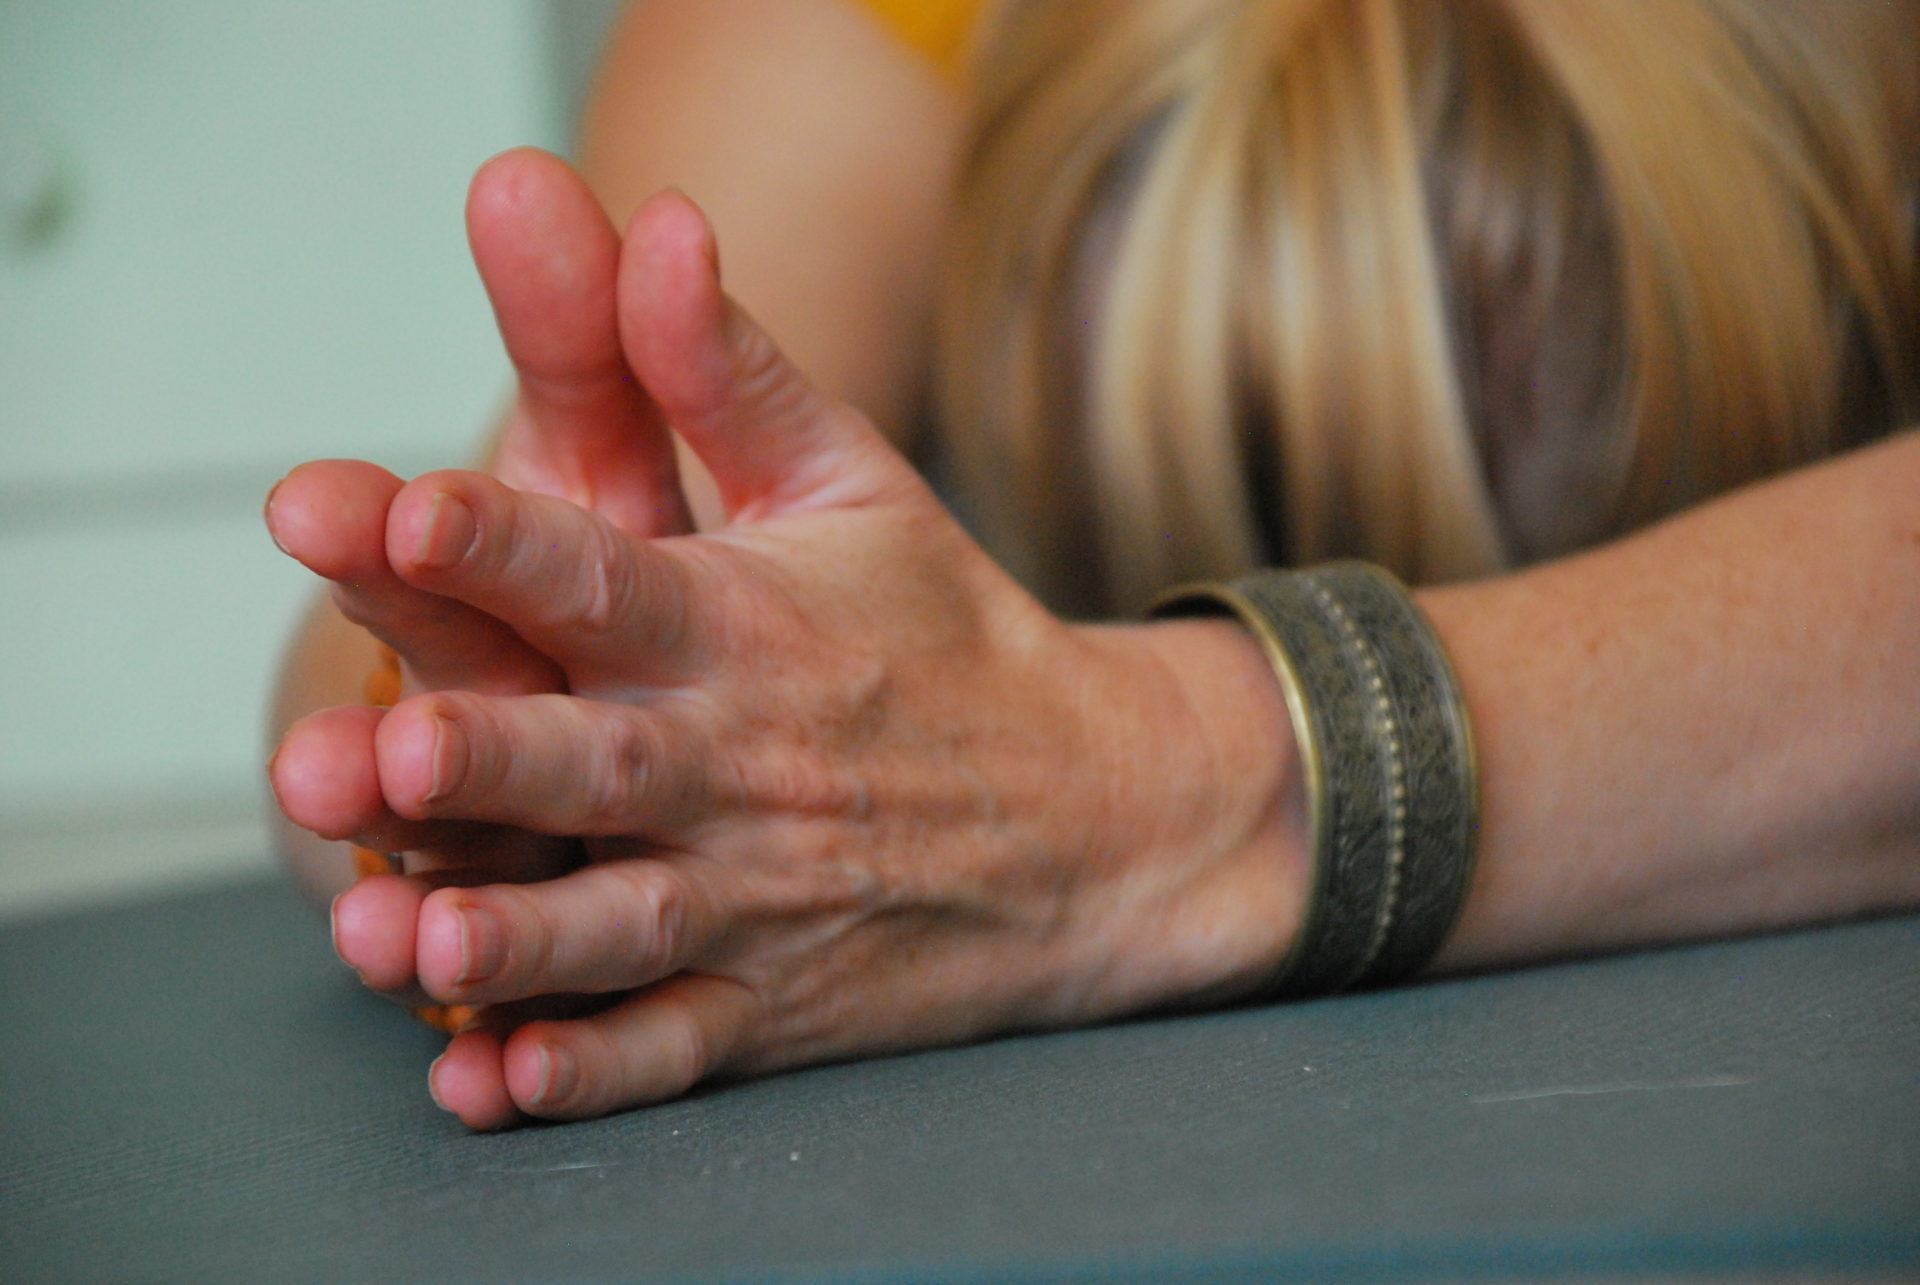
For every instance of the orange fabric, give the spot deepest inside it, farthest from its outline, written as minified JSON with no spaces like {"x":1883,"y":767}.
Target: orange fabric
{"x":940,"y":29}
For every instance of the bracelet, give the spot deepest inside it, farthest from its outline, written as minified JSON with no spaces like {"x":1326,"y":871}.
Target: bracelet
{"x":383,"y":688}
{"x":1386,"y":750}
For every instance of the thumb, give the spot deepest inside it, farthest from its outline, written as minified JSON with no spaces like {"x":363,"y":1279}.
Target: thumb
{"x":772,"y":440}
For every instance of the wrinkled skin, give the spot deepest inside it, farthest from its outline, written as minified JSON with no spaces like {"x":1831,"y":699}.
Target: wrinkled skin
{"x":819,"y":783}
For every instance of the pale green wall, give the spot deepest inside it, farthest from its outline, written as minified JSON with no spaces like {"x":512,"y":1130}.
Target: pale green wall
{"x":258,"y":260}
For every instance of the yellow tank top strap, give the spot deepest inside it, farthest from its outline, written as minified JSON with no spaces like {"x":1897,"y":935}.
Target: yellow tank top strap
{"x":942,"y":30}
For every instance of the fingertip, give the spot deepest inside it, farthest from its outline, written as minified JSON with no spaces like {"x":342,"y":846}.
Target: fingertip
{"x":649,"y":1047}
{"x":268,"y":517}
{"x":468,"y":1081}
{"x":527,"y":203}
{"x":349,"y":920}
{"x":373,"y":930}
{"x":546,"y":254}
{"x":672,"y":311}
{"x":323,"y":775}
{"x":673,"y":268}
{"x":506,"y":179}
{"x":333,"y":922}
{"x":541,"y":1072}
{"x":433,"y":1089}
{"x":432,"y":523}
{"x":448,"y":534}
{"x":420,"y":755}
{"x":672,"y":222}
{"x":328,"y":515}
{"x":439,"y":953}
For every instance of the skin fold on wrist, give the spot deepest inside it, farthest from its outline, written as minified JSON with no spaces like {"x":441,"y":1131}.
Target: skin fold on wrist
{"x":1210,"y":780}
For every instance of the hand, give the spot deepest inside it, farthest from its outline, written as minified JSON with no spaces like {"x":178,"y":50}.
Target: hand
{"x":847,"y":787}
{"x":580,"y":427}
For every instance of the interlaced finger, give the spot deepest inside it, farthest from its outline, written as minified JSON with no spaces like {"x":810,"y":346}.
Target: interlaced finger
{"x":555,"y":764}
{"x":651,"y":1047}
{"x":331,"y":516}
{"x":607,"y":927}
{"x":566,"y":580}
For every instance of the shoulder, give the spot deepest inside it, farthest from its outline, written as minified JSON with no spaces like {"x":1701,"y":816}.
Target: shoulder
{"x":814,"y":91}
{"x":941,"y":31}
{"x":821,"y":144}
{"x":842,"y":50}
{"x":936,"y":32}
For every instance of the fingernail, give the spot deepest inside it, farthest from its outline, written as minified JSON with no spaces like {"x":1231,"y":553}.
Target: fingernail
{"x":483,"y":945}
{"x":709,"y":243}
{"x":559,"y":1073}
{"x":448,"y":760}
{"x":448,"y":534}
{"x":433,"y":1090}
{"x":266,"y":513}
{"x":333,"y":930}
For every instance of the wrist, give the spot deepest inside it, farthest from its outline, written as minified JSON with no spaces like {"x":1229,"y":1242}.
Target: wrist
{"x":1387,"y":760}
{"x":1211,"y":811}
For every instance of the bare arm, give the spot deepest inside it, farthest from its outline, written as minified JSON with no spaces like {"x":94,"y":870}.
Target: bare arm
{"x":905,"y":805}
{"x":822,"y":150}
{"x":1706,"y":728}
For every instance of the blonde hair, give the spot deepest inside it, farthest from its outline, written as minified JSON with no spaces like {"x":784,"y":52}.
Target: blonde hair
{"x":1368,"y":255}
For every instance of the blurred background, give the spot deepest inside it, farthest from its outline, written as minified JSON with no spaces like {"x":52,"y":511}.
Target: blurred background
{"x":230,"y":241}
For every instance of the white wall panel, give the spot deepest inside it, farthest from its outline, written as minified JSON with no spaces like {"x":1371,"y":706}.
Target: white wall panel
{"x":256,"y":258}
{"x":262,"y":252}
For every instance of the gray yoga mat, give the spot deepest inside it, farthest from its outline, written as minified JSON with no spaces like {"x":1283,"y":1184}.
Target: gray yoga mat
{"x":193,"y":1090}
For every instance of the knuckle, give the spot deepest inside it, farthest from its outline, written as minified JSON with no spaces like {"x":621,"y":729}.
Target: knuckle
{"x":605,"y":593}
{"x":682,"y":596}
{"x":683,"y":1052}
{"x":621,"y":776}
{"x":659,"y":929}
{"x":532,"y":943}
{"x":603,"y":1076}
{"x":357,"y":605}
{"x":760,"y":373}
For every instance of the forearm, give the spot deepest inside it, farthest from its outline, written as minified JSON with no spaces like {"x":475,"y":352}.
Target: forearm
{"x":1705,"y":728}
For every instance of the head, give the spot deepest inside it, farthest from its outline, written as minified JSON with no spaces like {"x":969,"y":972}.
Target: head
{"x":1447,"y":286}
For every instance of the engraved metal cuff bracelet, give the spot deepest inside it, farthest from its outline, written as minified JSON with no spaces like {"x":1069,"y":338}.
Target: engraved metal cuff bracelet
{"x":1387,"y":754}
